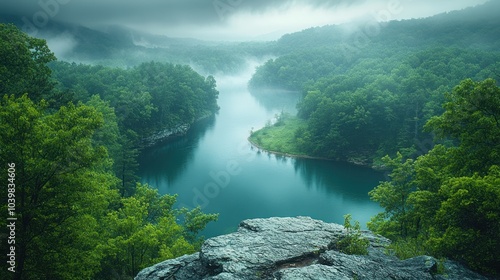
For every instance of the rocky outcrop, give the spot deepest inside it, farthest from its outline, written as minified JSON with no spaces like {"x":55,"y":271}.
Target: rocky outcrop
{"x":172,"y":132}
{"x":158,"y":137}
{"x":296,"y":248}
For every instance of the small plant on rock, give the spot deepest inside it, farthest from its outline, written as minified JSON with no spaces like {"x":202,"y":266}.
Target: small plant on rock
{"x":352,"y":243}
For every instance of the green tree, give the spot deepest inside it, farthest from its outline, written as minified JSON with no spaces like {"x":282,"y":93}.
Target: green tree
{"x":108,"y":135}
{"x":467,"y":224}
{"x":352,"y":243}
{"x":60,"y":187}
{"x":452,"y":208}
{"x":23,"y":66}
{"x":75,"y":219}
{"x":144,"y":230}
{"x":393,"y":197}
{"x":126,"y":164}
{"x":147,"y":99}
{"x":472,"y":117}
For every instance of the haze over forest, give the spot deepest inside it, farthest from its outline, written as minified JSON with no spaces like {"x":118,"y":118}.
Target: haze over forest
{"x":405,"y":89}
{"x":203,"y":20}
{"x":222,"y":20}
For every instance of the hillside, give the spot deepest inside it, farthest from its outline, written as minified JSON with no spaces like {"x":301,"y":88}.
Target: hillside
{"x":419,"y":100}
{"x":475,"y":26}
{"x":367,"y":95}
{"x":124,"y":47}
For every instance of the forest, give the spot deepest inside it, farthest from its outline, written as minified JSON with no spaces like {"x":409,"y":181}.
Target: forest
{"x":71,"y":134}
{"x":378,"y":105}
{"x":363,"y":101}
{"x":424,"y":108}
{"x":418,"y":100}
{"x":121,"y":47}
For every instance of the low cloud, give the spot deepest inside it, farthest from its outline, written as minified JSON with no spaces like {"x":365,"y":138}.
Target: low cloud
{"x":220,"y":19}
{"x":62,"y":44}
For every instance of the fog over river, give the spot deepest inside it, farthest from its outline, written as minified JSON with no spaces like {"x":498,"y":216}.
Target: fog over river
{"x":214,"y":166}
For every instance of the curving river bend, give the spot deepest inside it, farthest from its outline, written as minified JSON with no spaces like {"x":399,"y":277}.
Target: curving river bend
{"x":214,"y":166}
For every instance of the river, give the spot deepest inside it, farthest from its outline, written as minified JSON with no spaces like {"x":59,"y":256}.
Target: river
{"x":215,"y":167}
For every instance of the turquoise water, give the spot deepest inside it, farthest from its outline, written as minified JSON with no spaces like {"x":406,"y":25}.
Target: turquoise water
{"x":215,"y":167}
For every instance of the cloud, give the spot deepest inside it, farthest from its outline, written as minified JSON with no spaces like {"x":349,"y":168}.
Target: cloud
{"x":220,"y":19}
{"x":61,"y":44}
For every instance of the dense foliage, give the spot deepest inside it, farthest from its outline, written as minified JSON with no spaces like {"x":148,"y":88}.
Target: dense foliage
{"x":382,"y":100}
{"x":314,"y":53}
{"x":362,"y":101}
{"x":448,"y":200}
{"x":28,"y":57}
{"x":139,"y":102}
{"x":379,"y":105}
{"x":74,"y":131}
{"x":71,"y":141}
{"x":147,"y":98}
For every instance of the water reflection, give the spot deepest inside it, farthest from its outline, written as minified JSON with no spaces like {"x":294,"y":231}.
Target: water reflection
{"x":268,"y":185}
{"x":337,"y":177}
{"x":162,"y":165}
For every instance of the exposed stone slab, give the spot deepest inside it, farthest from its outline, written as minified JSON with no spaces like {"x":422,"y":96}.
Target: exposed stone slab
{"x":296,"y":248}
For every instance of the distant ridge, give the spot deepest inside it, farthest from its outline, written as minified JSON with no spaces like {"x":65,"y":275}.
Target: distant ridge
{"x":482,"y":19}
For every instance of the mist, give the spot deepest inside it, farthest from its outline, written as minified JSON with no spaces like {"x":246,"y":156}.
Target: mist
{"x":223,"y":20}
{"x":62,"y":45}
{"x":384,"y":109}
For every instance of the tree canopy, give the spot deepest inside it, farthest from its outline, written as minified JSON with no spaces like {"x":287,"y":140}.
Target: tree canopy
{"x":24,"y":64}
{"x":367,"y":95}
{"x":377,"y":105}
{"x":449,"y":198}
{"x":72,"y":140}
{"x":420,"y":104}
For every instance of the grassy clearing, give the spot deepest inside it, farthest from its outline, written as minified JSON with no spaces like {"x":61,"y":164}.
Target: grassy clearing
{"x":280,"y":137}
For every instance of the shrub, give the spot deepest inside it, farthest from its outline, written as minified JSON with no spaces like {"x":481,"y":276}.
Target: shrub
{"x":352,"y":243}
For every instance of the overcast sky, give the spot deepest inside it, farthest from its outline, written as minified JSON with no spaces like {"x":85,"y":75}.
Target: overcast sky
{"x":225,"y":19}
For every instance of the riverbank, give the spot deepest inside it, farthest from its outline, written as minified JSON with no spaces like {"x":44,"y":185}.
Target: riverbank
{"x":284,"y":153}
{"x":279,"y":139}
{"x":195,"y":167}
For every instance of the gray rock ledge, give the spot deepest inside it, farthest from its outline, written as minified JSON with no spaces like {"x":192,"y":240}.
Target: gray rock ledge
{"x":299,"y":249}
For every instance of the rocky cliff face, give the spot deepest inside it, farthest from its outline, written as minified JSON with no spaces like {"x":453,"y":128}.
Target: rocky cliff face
{"x":156,"y":138}
{"x":295,"y":248}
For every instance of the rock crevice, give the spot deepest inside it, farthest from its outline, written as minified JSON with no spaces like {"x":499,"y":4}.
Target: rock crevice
{"x":296,"y":248}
